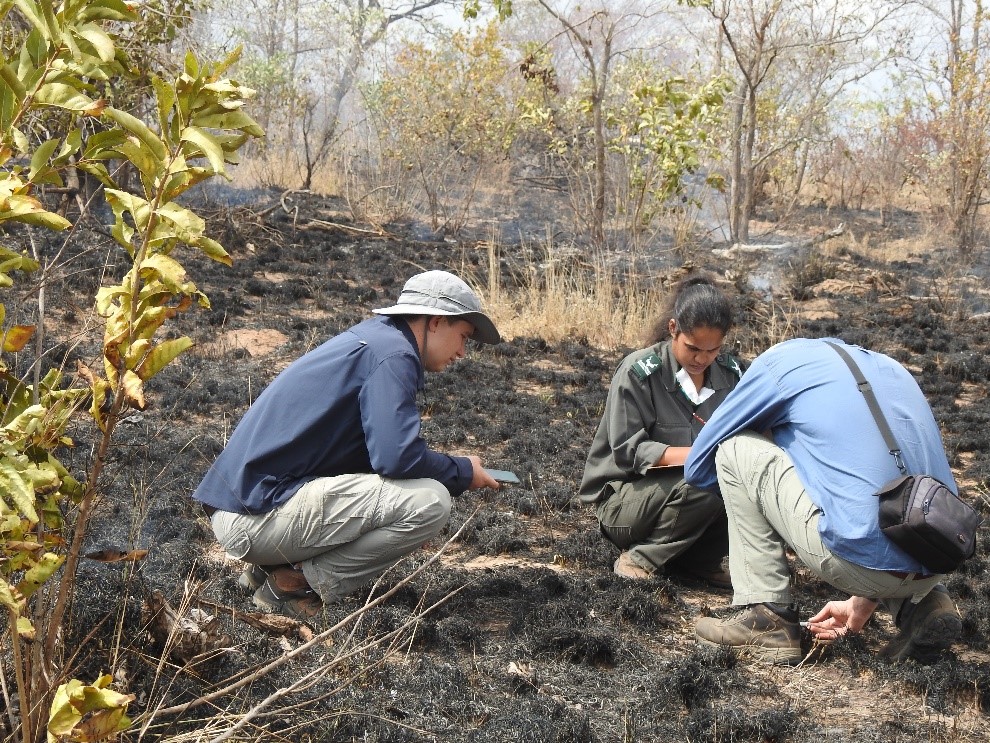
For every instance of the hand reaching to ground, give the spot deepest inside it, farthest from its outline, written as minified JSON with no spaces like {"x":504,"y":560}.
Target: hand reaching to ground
{"x":839,"y":618}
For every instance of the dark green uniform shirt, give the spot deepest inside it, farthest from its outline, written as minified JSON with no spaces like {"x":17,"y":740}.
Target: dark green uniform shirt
{"x":646,"y":412}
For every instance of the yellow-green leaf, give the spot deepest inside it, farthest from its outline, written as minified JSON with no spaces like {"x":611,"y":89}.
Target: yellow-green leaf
{"x":191,"y":65}
{"x":27,"y":209}
{"x":17,"y":337}
{"x":36,"y":576}
{"x":136,"y":352}
{"x":25,"y":629}
{"x":230,"y":120}
{"x":41,"y":157}
{"x":139,"y":208}
{"x":71,"y":145}
{"x":101,"y":42}
{"x":163,"y":354}
{"x":10,"y":79}
{"x":206,"y":144}
{"x":8,"y":599}
{"x":18,"y":490}
{"x":213,"y":249}
{"x":165,"y":99}
{"x":12,"y":260}
{"x":141,"y":158}
{"x":64,"y":96}
{"x":107,"y":10}
{"x":188,"y":225}
{"x":102,"y":145}
{"x":44,"y":478}
{"x":168,"y":270}
{"x":87,"y":712}
{"x":20,"y":140}
{"x":138,"y":128}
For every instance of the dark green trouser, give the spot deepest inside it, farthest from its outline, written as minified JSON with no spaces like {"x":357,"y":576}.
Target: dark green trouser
{"x":664,"y":521}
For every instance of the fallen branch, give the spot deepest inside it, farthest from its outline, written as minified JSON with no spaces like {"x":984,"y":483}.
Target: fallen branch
{"x":792,"y":245}
{"x":324,"y":225}
{"x":340,"y":659}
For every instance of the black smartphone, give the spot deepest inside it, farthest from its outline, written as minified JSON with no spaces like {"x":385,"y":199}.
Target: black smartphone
{"x":503,"y":476}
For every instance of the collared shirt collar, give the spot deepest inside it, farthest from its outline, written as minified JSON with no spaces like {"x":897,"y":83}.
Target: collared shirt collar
{"x":691,"y":392}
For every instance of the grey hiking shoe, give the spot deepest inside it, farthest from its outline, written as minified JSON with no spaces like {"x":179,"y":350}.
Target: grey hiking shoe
{"x":758,"y":632}
{"x":253,"y":576}
{"x":303,"y":604}
{"x":927,"y":629}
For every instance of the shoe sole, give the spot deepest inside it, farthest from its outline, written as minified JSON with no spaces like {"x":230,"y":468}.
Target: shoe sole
{"x":926,"y":645}
{"x":776,"y":656}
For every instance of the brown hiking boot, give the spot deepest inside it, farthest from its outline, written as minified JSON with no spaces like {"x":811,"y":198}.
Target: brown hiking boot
{"x":625,"y":567}
{"x":927,"y":629}
{"x":287,"y":592}
{"x":757,"y":631}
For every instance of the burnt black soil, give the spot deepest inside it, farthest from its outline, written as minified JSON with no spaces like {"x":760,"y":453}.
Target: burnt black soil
{"x":532,"y":637}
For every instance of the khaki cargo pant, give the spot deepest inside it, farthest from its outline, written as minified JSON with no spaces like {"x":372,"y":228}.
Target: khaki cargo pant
{"x":343,"y":531}
{"x":769,"y":510}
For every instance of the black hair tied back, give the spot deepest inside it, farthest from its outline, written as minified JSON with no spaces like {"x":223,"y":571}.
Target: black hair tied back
{"x":696,"y":303}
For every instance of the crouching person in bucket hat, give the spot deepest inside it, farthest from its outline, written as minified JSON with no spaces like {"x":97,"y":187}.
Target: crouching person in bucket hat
{"x":326,"y":481}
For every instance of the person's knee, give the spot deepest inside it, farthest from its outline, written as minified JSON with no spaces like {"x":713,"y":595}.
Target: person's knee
{"x":433,"y":505}
{"x":725,"y":457}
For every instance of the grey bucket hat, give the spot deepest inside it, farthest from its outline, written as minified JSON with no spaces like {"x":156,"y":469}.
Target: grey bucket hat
{"x":442,"y":293}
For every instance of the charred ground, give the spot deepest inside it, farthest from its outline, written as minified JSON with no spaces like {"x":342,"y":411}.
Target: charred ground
{"x":532,"y":637}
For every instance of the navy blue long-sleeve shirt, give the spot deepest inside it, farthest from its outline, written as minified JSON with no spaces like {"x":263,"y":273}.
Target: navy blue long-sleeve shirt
{"x":346,"y":407}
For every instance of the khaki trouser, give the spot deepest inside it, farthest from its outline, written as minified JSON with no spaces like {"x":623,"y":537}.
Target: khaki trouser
{"x":343,"y":531}
{"x":769,"y":510}
{"x":663,"y":521}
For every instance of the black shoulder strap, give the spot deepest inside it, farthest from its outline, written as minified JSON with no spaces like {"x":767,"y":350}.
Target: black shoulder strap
{"x":871,"y":400}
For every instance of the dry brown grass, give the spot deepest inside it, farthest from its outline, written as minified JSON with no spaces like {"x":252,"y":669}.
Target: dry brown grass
{"x":563,"y":296}
{"x":274,"y":167}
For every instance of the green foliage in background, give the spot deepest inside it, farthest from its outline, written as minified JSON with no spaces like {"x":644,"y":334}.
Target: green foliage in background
{"x":661,"y":128}
{"x":447,"y":112}
{"x":657,"y":130}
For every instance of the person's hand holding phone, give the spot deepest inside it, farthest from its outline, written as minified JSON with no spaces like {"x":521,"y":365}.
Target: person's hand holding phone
{"x":503,"y":476}
{"x":480,"y":477}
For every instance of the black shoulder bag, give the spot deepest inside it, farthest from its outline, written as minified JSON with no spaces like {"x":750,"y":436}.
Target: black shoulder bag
{"x":919,"y":513}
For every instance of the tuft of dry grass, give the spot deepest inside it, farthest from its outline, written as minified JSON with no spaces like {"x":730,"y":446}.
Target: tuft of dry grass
{"x":559,"y":294}
{"x":277,"y":167}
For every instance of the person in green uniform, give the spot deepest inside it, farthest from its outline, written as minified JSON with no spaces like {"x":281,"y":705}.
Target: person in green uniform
{"x":658,"y":402}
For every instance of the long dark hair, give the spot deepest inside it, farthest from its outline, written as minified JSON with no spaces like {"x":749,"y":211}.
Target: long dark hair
{"x":695,"y":302}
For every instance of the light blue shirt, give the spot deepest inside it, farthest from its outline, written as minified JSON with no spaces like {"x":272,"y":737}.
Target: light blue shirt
{"x":805,"y":395}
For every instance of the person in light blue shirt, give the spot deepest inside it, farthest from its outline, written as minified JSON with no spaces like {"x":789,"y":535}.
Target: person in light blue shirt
{"x":798,"y":458}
